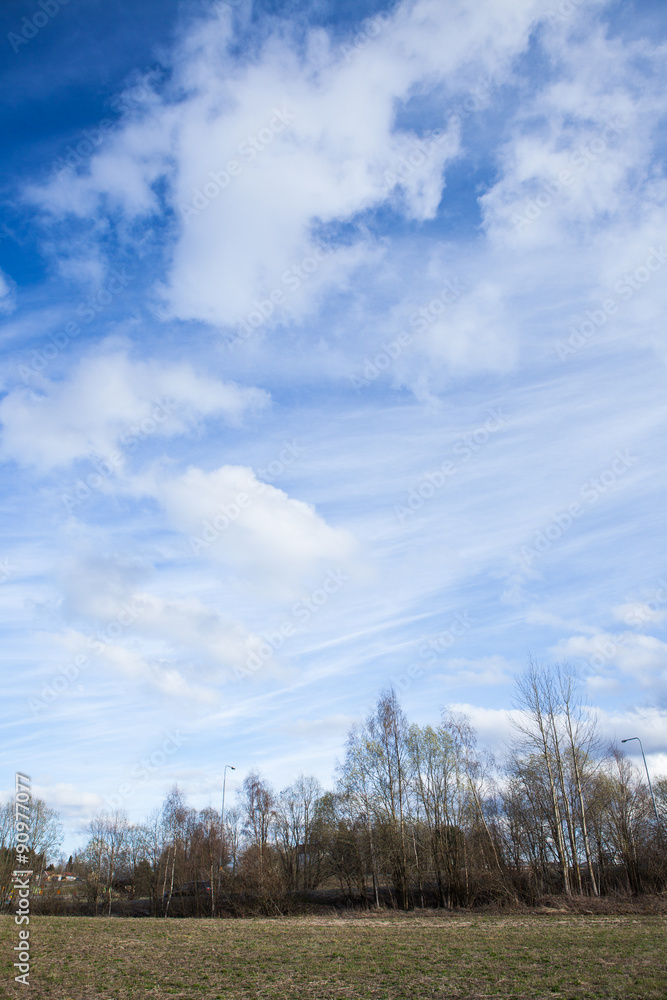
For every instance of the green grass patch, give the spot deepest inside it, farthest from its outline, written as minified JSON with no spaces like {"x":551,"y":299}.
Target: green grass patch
{"x":573,"y":957}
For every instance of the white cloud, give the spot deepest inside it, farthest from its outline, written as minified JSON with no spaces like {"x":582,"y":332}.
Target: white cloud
{"x":67,"y":797}
{"x":639,"y":613}
{"x":641,"y":657}
{"x":156,"y":644}
{"x":138,"y":669}
{"x":28,"y":324}
{"x":569,"y":166}
{"x":7,"y":300}
{"x":493,"y":725}
{"x":110,"y":401}
{"x":233,"y":518}
{"x":475,"y":334}
{"x":295,"y":141}
{"x":648,"y":723}
{"x":180,"y":646}
{"x":484,"y":672}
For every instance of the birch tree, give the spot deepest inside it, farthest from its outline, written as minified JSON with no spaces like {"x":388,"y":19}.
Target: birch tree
{"x":534,"y":734}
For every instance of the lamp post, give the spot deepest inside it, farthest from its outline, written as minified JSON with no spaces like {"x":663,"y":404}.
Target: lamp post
{"x":222,"y":818}
{"x":650,"y":786}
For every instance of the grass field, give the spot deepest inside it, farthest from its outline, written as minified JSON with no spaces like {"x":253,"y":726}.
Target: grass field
{"x":386,"y":956}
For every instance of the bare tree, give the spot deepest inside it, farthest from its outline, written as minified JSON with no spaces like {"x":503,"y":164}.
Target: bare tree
{"x":376,"y":771}
{"x":115,"y":837}
{"x":175,"y":815}
{"x":534,"y":727}
{"x":386,"y":748}
{"x":343,"y":835}
{"x":355,"y":791}
{"x":583,"y":745}
{"x":99,"y":861}
{"x":628,"y":816}
{"x":7,"y":854}
{"x":257,"y":803}
{"x":151,"y":837}
{"x":295,"y":816}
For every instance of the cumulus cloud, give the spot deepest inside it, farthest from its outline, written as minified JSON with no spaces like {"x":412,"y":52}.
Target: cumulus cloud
{"x":641,"y":657}
{"x":494,"y":726}
{"x":261,"y":157}
{"x":569,"y":164}
{"x":234,"y":519}
{"x":263,"y":163}
{"x":110,"y":401}
{"x":649,"y":723}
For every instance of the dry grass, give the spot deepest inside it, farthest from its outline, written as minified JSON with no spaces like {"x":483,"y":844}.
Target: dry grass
{"x":553,"y":956}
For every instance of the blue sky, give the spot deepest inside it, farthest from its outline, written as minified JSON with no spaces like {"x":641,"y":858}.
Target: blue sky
{"x":334,"y":357}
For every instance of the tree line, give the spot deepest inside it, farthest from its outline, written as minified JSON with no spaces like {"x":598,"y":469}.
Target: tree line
{"x":419,"y":816}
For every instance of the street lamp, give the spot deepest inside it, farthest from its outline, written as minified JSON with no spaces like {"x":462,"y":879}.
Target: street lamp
{"x":224,"y":779}
{"x":650,"y":786}
{"x":222,"y":817}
